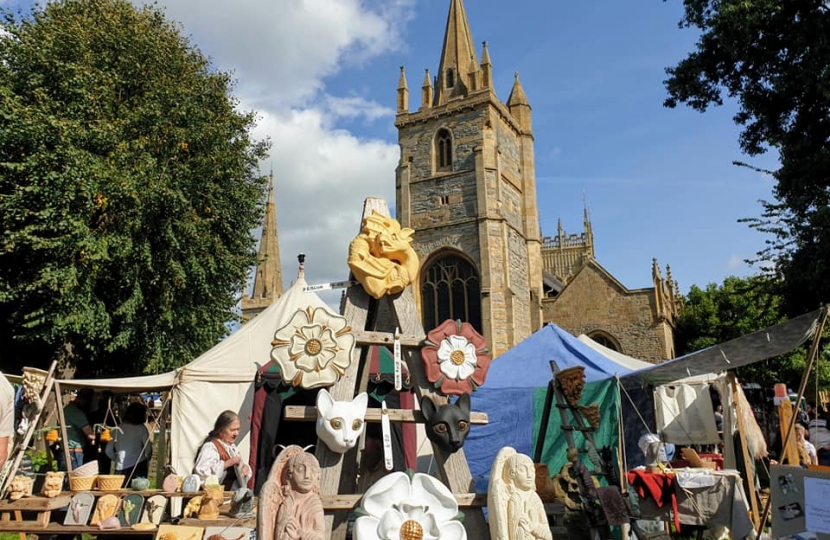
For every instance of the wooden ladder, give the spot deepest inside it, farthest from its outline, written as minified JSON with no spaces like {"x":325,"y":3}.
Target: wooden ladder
{"x":338,"y":484}
{"x":21,"y":445}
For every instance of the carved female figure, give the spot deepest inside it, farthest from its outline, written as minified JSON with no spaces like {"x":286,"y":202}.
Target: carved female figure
{"x":516,"y":511}
{"x":289,"y":504}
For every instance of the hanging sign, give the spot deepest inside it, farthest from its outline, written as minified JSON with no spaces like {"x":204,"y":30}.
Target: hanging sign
{"x":329,"y":286}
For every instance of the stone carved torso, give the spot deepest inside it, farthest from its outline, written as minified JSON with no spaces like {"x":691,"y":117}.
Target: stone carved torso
{"x":515,"y":509}
{"x":289,"y":503}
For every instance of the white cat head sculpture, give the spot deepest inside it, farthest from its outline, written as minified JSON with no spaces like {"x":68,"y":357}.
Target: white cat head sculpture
{"x":340,"y":423}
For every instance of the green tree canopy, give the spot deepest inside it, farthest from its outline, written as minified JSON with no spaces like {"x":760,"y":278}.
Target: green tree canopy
{"x":128,"y":188}
{"x":737,"y":307}
{"x":773,"y":57}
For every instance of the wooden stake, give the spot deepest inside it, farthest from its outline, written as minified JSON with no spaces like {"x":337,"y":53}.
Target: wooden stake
{"x":62,"y":423}
{"x":748,"y":460}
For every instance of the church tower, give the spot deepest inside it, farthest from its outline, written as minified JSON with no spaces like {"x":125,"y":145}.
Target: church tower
{"x":268,"y":276}
{"x":466,"y":184}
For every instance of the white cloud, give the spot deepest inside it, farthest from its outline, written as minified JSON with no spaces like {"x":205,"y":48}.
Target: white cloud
{"x":355,"y":106}
{"x":282,"y":51}
{"x":322,"y":176}
{"x":735,"y":262}
{"x":281,"y":54}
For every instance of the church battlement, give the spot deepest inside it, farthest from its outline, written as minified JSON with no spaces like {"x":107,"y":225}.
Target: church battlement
{"x":569,"y":241}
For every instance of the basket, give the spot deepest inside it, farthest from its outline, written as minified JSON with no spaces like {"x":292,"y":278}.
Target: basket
{"x":81,"y":483}
{"x":87,"y":469}
{"x":110,"y":482}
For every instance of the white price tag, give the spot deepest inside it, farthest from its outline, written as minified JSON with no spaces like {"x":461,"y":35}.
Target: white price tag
{"x":396,"y":349}
{"x":386,"y":430}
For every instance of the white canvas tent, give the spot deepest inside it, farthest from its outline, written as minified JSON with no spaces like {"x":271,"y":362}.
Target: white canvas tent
{"x":220,"y":379}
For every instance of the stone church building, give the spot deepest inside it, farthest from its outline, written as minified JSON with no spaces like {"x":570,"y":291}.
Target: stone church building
{"x":466,"y":183}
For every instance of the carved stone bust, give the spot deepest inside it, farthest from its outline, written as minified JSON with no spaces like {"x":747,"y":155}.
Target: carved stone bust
{"x":515,"y":509}
{"x":289,"y":503}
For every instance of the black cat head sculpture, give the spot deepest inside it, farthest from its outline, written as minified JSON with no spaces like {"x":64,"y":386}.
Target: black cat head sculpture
{"x":448,"y":425}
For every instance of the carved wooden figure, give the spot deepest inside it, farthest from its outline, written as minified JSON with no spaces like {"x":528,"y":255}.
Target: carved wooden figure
{"x":289,"y":503}
{"x":571,"y":381}
{"x":516,"y":511}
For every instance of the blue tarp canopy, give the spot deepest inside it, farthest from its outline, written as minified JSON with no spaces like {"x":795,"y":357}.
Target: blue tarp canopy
{"x":508,"y":393}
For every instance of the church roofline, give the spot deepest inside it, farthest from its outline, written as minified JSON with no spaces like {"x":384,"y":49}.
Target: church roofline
{"x":601,"y":269}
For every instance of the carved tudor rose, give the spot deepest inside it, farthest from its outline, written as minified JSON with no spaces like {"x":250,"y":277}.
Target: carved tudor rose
{"x":409,"y":506}
{"x":455,"y":358}
{"x":314,"y":349}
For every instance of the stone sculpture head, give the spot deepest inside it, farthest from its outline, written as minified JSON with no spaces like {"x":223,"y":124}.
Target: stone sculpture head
{"x":303,"y":473}
{"x":53,"y":484}
{"x":20,"y":487}
{"x":520,"y":472}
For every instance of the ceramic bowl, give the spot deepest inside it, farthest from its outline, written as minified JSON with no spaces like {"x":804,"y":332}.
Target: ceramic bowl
{"x":140,"y":484}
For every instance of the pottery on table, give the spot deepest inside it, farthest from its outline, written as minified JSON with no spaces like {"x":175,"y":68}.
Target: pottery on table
{"x":140,"y":483}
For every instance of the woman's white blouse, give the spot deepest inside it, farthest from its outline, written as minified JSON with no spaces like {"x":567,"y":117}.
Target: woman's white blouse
{"x":209,"y":463}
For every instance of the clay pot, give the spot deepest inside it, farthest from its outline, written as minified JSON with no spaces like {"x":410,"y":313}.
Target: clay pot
{"x":544,"y":483}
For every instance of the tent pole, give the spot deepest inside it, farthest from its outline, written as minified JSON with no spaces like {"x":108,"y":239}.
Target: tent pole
{"x":62,"y":423}
{"x":748,"y":460}
{"x":543,"y":428}
{"x":811,"y":359}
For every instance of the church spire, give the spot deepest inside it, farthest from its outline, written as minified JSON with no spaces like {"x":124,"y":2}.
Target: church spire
{"x":459,"y":65}
{"x":519,"y":105}
{"x":268,"y":276}
{"x":426,"y":91}
{"x":403,"y":93}
{"x":486,"y":67}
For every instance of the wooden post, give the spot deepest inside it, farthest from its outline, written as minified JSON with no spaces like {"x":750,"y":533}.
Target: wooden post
{"x":62,"y":423}
{"x":748,"y":460}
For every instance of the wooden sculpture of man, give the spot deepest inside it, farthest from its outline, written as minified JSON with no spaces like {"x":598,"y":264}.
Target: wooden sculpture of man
{"x":290,"y":505}
{"x":516,"y":511}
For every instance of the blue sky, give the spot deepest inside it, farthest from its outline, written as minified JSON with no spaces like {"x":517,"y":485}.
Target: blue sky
{"x":322,"y":75}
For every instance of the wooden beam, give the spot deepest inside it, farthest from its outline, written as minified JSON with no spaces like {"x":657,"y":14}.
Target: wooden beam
{"x":62,"y":423}
{"x":351,"y":501}
{"x":299,"y":413}
{"x":366,"y":337}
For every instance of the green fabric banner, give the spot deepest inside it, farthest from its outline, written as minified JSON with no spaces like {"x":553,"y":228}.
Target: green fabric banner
{"x":555,"y":449}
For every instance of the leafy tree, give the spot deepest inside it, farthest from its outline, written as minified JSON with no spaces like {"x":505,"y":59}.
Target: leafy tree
{"x":737,"y":307}
{"x":128,"y":188}
{"x":773,"y":57}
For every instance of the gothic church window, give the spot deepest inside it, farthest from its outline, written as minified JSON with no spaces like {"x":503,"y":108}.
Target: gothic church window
{"x":443,"y":150}
{"x":450,"y":78}
{"x":450,"y":289}
{"x":606,"y":340}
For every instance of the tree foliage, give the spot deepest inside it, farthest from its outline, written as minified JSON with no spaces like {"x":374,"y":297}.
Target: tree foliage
{"x":737,"y":307}
{"x":773,"y":57}
{"x":128,"y":188}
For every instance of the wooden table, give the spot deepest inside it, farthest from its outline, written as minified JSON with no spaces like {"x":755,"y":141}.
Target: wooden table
{"x":43,"y":507}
